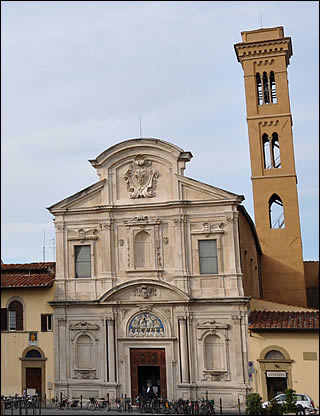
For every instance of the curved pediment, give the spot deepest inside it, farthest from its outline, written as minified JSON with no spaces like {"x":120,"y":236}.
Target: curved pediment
{"x":144,"y":290}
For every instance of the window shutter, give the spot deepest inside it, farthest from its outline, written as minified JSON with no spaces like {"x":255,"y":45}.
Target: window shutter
{"x":44,"y":323}
{"x":19,"y":312}
{"x":4,"y":319}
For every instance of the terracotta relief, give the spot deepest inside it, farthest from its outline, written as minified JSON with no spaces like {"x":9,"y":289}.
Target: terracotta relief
{"x":141,"y":178}
{"x":146,"y":325}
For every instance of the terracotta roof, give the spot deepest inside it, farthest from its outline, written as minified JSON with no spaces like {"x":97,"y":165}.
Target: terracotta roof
{"x":268,"y":320}
{"x":29,"y":266}
{"x":292,"y":305}
{"x":27,"y":280}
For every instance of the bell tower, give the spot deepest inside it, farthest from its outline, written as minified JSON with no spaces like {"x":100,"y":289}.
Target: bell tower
{"x":264,"y":55}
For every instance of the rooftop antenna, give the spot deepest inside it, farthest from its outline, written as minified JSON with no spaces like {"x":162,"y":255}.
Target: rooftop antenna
{"x":44,"y":246}
{"x":52,"y":241}
{"x":140,"y":128}
{"x":261,"y":19}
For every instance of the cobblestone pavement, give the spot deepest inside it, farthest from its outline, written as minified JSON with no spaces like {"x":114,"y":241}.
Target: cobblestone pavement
{"x":79,"y":412}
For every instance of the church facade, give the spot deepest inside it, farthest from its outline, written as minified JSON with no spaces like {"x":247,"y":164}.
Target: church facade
{"x":149,"y":282}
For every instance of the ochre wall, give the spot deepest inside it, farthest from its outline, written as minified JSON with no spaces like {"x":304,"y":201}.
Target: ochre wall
{"x":305,"y":373}
{"x":250,"y":258}
{"x":14,"y":343}
{"x":311,"y":273}
{"x":267,"y":50}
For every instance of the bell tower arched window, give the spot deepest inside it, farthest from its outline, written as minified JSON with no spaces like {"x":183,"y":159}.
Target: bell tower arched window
{"x":273,"y":88}
{"x":276,"y":212}
{"x":266,"y":88}
{"x":259,"y":89}
{"x":266,"y":91}
{"x":271,"y":151}
{"x":276,"y":151}
{"x":266,"y":152}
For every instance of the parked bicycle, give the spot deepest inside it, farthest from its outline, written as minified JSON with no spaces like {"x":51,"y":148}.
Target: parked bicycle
{"x":98,"y":404}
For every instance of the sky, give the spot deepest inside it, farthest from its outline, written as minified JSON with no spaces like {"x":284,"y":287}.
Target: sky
{"x":77,"y":76}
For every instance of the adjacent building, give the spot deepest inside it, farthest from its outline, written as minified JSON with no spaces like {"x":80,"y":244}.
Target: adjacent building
{"x":26,"y":328}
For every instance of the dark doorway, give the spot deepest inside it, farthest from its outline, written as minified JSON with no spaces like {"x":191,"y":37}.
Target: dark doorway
{"x":33,"y":379}
{"x":149,"y":373}
{"x":276,"y":385}
{"x":145,"y":364}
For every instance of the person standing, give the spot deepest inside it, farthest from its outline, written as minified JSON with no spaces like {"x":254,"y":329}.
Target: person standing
{"x":147,"y":391}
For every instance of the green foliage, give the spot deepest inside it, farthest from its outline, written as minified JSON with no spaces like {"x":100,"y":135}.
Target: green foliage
{"x":254,"y":404}
{"x":290,"y":404}
{"x":275,"y":408}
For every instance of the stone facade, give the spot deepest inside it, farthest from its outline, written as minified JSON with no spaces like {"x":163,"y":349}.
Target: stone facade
{"x":142,"y":223}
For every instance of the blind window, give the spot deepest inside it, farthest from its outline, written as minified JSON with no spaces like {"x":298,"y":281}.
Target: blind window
{"x":208,"y":256}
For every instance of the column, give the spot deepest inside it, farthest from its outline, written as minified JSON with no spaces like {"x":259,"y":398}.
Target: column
{"x":111,"y":351}
{"x":62,"y":350}
{"x":244,"y":332}
{"x":106,"y":248}
{"x":184,"y":350}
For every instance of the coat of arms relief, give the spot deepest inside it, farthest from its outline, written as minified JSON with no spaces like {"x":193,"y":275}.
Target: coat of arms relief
{"x":141,"y":178}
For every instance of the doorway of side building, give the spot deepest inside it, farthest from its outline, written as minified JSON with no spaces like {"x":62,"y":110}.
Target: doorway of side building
{"x":148,"y":364}
{"x":33,"y":379}
{"x":33,"y":367}
{"x":275,"y":386}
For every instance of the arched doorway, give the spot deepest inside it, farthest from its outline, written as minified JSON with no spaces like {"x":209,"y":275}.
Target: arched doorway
{"x":33,"y":368}
{"x":276,"y":377}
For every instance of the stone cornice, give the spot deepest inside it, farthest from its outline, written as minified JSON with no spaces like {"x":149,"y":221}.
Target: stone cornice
{"x":248,"y":50}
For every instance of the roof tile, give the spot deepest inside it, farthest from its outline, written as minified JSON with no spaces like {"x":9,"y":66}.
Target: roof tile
{"x":283,"y":320}
{"x":27,"y":280}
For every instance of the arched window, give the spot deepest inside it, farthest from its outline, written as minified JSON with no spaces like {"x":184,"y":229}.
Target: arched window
{"x":259,"y":89}
{"x":84,"y":353}
{"x":33,"y":354}
{"x":142,"y":249}
{"x":276,"y":151}
{"x":266,"y":92}
{"x":213,"y":353}
{"x":266,"y":152}
{"x":274,"y":355}
{"x":273,"y":88}
{"x":276,"y":213}
{"x":15,"y":316}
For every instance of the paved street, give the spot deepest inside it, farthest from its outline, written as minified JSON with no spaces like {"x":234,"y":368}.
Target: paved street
{"x":113,"y":411}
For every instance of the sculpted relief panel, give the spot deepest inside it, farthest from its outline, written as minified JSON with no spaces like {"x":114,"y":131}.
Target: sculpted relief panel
{"x":141,"y":178}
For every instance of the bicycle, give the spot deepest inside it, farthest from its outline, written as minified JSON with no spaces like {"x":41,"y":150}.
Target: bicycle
{"x":95,"y":404}
{"x":119,"y":405}
{"x":166,"y":407}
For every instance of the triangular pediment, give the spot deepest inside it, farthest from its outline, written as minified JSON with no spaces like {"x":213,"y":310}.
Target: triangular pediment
{"x":193,"y":190}
{"x":86,"y":198}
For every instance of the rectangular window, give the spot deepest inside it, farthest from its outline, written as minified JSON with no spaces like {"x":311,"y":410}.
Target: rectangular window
{"x":12,"y":320}
{"x":208,"y":257}
{"x":83,"y":261}
{"x":46,"y":322}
